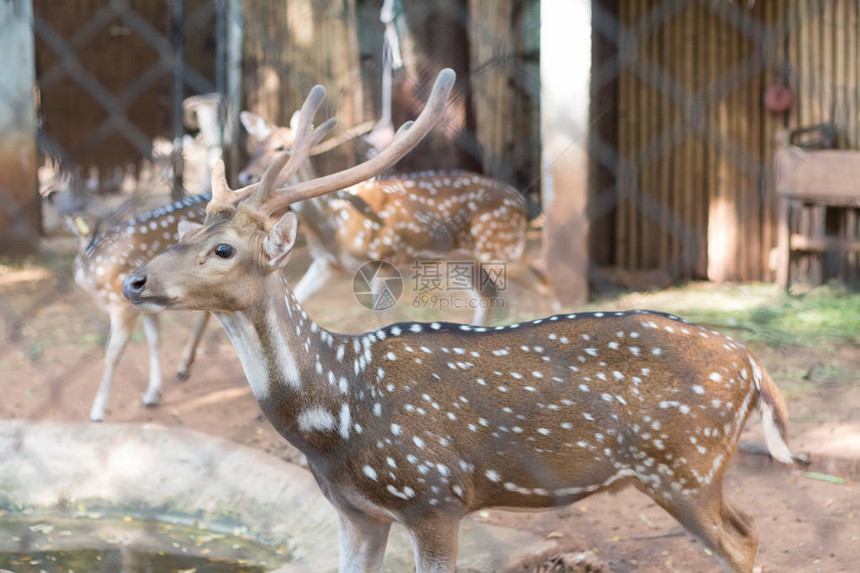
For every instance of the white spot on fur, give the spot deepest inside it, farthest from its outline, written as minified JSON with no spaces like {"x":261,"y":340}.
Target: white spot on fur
{"x":314,"y":419}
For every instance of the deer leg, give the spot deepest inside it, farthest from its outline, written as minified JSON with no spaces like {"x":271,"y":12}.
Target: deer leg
{"x":121,"y":322}
{"x":724,"y":529}
{"x":483,"y":294}
{"x":153,"y":391}
{"x":315,"y":277}
{"x":190,"y":350}
{"x":434,"y":540}
{"x":362,"y":543}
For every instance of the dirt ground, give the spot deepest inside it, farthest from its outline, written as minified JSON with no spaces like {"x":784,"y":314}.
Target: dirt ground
{"x":51,"y":362}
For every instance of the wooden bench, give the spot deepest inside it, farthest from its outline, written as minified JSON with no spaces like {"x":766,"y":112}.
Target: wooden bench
{"x":815,"y":179}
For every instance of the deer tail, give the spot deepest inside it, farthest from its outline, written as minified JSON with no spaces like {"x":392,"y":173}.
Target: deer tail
{"x":774,"y":415}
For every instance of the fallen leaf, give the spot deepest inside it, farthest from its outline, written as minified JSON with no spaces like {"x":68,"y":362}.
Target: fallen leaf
{"x":826,"y":477}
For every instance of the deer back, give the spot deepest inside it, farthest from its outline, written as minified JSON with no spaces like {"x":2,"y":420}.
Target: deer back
{"x":427,"y":214}
{"x":103,"y":264}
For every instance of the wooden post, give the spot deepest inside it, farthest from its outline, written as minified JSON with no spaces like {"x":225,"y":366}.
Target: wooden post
{"x":234,"y":81}
{"x":501,"y":41}
{"x":20,"y":213}
{"x":565,"y":74}
{"x":435,"y":37}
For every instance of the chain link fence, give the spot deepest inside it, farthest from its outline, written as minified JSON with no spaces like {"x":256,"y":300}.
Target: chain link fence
{"x":686,"y":100}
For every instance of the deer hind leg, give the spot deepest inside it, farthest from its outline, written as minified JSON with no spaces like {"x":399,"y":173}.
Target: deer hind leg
{"x":434,"y":541}
{"x":362,"y":543}
{"x":153,"y":390}
{"x":724,"y":529}
{"x":190,"y":350}
{"x":122,"y":320}
{"x":484,"y":294}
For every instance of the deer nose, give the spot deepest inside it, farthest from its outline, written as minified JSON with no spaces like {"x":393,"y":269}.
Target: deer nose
{"x":133,"y":286}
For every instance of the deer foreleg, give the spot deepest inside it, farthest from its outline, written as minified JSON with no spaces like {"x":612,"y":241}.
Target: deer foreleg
{"x":153,"y":391}
{"x":362,"y":543}
{"x":121,"y":323}
{"x":190,"y":350}
{"x":434,"y":541}
{"x":483,"y":297}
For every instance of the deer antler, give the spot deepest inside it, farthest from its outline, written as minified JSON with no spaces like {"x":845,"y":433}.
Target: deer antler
{"x":266,"y":196}
{"x":284,"y":166}
{"x":407,"y":137}
{"x":305,"y":138}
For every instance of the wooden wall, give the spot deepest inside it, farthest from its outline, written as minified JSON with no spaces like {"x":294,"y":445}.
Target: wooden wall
{"x":115,"y":56}
{"x":289,"y":47}
{"x":693,"y":195}
{"x":110,"y":51}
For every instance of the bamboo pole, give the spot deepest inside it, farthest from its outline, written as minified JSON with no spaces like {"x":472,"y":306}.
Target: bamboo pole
{"x":713,"y":157}
{"x":827,"y":80}
{"x":654,"y":228}
{"x":805,"y":62}
{"x":717,"y":228}
{"x":709,"y":155}
{"x":664,"y":169}
{"x":851,"y":46}
{"x":490,"y":32}
{"x":637,"y":225}
{"x":854,"y":49}
{"x":690,"y":190}
{"x":625,"y":131}
{"x":775,"y":56}
{"x":738,"y":191}
{"x":851,"y":61}
{"x":694,"y":241}
{"x":816,"y":85}
{"x":839,"y":18}
{"x":794,"y":56}
{"x":755,"y":262}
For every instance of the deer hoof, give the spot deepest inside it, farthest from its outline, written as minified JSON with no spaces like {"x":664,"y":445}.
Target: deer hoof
{"x":183,"y":375}
{"x":151,"y":401}
{"x":97,"y":411}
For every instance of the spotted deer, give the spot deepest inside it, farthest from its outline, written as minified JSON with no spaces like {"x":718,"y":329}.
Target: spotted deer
{"x":105,"y":259}
{"x":424,"y":423}
{"x":402,"y":218}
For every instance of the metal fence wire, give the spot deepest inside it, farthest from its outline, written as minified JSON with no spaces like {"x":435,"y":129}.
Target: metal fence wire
{"x":134,"y":100}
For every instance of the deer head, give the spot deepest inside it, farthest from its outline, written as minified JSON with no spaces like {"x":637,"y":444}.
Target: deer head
{"x":247,"y":235}
{"x":265,"y":143}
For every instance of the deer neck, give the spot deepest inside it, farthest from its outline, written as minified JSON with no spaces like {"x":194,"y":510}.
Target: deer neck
{"x":297,"y":369}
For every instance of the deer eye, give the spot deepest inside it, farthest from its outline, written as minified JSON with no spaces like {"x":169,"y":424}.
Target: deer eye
{"x":279,"y":148}
{"x":224,"y":251}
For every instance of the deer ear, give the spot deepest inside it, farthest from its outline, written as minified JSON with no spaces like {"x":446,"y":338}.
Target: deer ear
{"x":81,"y":228}
{"x":281,"y":239}
{"x":255,"y":125}
{"x":78,"y":225}
{"x":185,"y":226}
{"x":294,"y":120}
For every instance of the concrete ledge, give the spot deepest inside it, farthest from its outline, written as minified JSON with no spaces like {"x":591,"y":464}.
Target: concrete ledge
{"x":47,"y":465}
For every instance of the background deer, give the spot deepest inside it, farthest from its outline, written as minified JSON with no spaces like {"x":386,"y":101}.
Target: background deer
{"x":425,"y":423}
{"x":400,"y":219}
{"x":105,"y":259}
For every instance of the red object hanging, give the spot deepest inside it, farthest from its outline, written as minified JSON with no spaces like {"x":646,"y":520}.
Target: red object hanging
{"x":778,"y":98}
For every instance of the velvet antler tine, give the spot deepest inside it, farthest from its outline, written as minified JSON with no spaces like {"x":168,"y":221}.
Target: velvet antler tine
{"x":408,"y":136}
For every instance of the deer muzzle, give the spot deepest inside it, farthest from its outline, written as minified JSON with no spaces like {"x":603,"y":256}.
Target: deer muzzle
{"x":133,"y":286}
